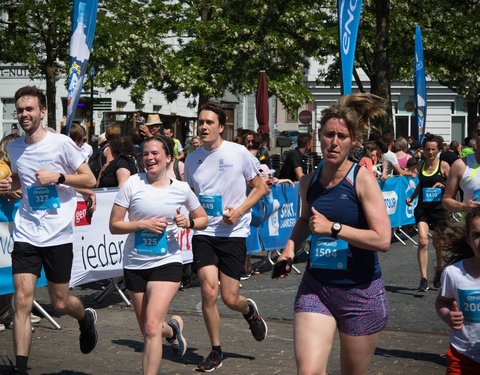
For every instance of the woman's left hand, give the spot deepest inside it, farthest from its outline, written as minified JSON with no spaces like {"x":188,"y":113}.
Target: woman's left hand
{"x":181,"y":220}
{"x":318,"y":223}
{"x":439,"y":185}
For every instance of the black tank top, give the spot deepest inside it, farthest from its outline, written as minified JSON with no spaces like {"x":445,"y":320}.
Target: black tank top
{"x":428,"y":180}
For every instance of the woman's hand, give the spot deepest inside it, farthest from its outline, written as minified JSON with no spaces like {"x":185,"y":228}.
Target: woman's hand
{"x":319,"y":224}
{"x":181,"y":220}
{"x":156,"y":225}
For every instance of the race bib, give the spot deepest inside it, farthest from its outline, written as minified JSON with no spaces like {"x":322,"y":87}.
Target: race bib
{"x":212,"y":204}
{"x":147,"y":242}
{"x":43,"y":197}
{"x":328,"y":253}
{"x":470,"y":304}
{"x":476,"y":193}
{"x":432,"y":194}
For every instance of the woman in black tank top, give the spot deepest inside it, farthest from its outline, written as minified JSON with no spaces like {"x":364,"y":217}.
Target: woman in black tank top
{"x":429,"y":213}
{"x":340,"y":242}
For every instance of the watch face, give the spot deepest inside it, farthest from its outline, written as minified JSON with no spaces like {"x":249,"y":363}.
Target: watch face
{"x":337,"y":226}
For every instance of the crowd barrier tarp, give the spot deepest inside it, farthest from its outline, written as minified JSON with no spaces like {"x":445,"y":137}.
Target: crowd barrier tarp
{"x":7,"y":217}
{"x":275,"y":221}
{"x":395,"y":191}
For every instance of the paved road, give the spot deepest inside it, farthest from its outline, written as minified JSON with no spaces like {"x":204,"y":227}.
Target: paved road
{"x":414,"y":341}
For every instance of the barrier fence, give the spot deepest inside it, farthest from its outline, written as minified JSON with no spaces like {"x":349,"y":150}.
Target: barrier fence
{"x":98,"y":253}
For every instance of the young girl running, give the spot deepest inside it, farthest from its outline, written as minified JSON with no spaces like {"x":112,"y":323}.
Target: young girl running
{"x":458,"y":302}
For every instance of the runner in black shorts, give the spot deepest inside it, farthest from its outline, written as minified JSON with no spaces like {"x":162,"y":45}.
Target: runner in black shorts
{"x":429,"y":213}
{"x":218,"y":173}
{"x":152,"y":258}
{"x":48,"y":166}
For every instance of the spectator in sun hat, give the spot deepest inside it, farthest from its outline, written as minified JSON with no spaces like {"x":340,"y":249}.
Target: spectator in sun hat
{"x":152,"y":126}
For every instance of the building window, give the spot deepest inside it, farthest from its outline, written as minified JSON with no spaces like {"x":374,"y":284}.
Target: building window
{"x":457,"y":129}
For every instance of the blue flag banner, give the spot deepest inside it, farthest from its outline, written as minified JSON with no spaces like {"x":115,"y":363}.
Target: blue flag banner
{"x":84,"y":19}
{"x":420,"y":86}
{"x":348,"y":21}
{"x":7,"y":216}
{"x":395,"y":192}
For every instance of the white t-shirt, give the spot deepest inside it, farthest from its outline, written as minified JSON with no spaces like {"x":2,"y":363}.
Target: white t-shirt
{"x":143,"y":202}
{"x":225,"y":172}
{"x":87,"y":151}
{"x":459,"y":285}
{"x":391,"y":159}
{"x":57,"y":153}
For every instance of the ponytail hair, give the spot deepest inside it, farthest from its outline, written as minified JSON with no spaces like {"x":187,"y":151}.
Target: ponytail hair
{"x":356,"y":110}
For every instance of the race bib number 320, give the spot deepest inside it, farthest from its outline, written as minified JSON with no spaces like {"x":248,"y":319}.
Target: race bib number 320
{"x":147,"y":242}
{"x":43,"y":197}
{"x":212,"y":204}
{"x":328,"y":253}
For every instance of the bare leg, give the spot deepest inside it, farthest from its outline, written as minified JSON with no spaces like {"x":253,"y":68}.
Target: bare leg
{"x":356,"y":353}
{"x":208,"y":276}
{"x":24,"y":284}
{"x":229,"y":289}
{"x":422,"y":253}
{"x":62,"y":301}
{"x":313,"y":337}
{"x":151,"y":309}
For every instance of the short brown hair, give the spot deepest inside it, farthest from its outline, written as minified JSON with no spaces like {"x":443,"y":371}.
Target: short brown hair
{"x":32,"y":91}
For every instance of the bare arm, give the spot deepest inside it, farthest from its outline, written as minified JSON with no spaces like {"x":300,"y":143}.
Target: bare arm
{"x":402,"y":172}
{"x":199,"y":216}
{"x":122,"y":175}
{"x":83,"y":178}
{"x":257,"y":192}
{"x":9,"y":184}
{"x":298,"y":172}
{"x":451,"y":189}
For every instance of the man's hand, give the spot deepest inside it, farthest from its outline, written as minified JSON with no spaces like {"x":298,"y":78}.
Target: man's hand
{"x":231,"y":216}
{"x":46,"y":177}
{"x":145,"y":131}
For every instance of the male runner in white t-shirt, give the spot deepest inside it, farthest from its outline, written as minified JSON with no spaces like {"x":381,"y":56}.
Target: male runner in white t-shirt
{"x":48,"y":167}
{"x":219,"y":173}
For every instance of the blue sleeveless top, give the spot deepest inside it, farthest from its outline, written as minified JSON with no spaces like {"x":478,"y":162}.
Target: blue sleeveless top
{"x":340,"y":203}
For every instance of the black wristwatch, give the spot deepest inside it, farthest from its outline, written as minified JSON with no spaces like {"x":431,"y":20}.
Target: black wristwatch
{"x":61,"y":179}
{"x":192,"y":223}
{"x":336,"y":227}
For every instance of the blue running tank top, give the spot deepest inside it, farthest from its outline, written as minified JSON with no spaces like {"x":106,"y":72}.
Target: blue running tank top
{"x":340,"y":204}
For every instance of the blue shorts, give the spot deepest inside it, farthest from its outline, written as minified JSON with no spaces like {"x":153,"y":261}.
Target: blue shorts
{"x":359,"y":310}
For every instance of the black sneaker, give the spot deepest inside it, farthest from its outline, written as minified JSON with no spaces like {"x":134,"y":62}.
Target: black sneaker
{"x":257,"y":324}
{"x":11,"y":369}
{"x":211,"y":363}
{"x":88,"y":332}
{"x":423,"y":287}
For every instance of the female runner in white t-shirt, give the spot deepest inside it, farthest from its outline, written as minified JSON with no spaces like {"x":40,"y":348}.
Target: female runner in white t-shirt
{"x":152,"y":258}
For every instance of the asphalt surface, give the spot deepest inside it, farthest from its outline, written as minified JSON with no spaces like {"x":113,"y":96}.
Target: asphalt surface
{"x":414,"y":342}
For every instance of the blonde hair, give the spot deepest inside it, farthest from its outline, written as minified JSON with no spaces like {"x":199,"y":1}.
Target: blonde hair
{"x":400,"y":145}
{"x":3,"y":147}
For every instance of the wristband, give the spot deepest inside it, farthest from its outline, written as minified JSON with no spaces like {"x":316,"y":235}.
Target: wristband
{"x":444,"y":314}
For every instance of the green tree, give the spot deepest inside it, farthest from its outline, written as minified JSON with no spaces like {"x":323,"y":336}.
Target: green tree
{"x":451,"y":49}
{"x":35,"y":33}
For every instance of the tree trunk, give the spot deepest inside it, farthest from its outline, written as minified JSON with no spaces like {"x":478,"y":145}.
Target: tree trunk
{"x":381,"y":81}
{"x":472,"y":108}
{"x":51,"y":95}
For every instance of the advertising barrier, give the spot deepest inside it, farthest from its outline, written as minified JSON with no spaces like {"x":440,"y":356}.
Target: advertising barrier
{"x":98,"y":253}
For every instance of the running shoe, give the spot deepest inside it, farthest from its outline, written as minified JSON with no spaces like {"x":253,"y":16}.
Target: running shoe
{"x":256,"y":323}
{"x":436,"y":279}
{"x":88,"y":332}
{"x":423,"y":287}
{"x":245,"y":275}
{"x":211,"y":363}
{"x":177,"y":342}
{"x":34,"y":318}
